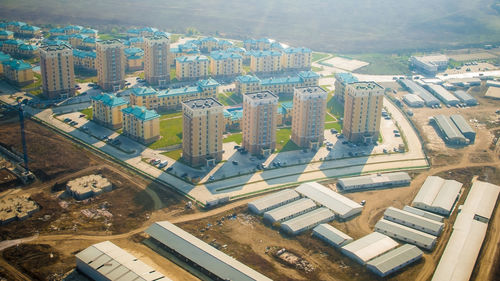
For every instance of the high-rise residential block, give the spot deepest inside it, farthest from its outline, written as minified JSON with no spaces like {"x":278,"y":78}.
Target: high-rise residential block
{"x":362,"y":111}
{"x":225,"y":63}
{"x":110,"y":65}
{"x":156,"y":62}
{"x":342,"y":79}
{"x":191,"y":67}
{"x":308,"y":117}
{"x":265,"y":61}
{"x":203,"y":124}
{"x":259,"y":122}
{"x":57,"y":69}
{"x":296,"y":58}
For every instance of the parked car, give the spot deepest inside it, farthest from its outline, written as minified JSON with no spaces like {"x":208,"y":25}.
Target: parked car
{"x":235,"y":162}
{"x":169,"y":169}
{"x":163,"y":164}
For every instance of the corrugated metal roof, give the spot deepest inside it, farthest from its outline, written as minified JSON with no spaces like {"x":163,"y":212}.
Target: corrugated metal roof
{"x":429,"y":190}
{"x":115,"y":263}
{"x":395,"y":258}
{"x":412,"y":98}
{"x":464,"y":97}
{"x":443,"y":94}
{"x":448,"y":128}
{"x":400,"y":230}
{"x":332,"y":234}
{"x":370,"y":246}
{"x":339,"y":204}
{"x":201,"y":253}
{"x":413,"y":219}
{"x":447,"y":195}
{"x":414,"y":88}
{"x":462,"y":124}
{"x":290,"y":209}
{"x":462,"y":250}
{"x":423,"y":213}
{"x":308,"y":219}
{"x":379,"y":179}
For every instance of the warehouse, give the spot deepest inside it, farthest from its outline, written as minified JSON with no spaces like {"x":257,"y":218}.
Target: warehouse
{"x":290,"y":210}
{"x":331,"y":235}
{"x":443,"y":94}
{"x":469,"y":231}
{"x":374,"y":181}
{"x":437,"y":195}
{"x":213,"y":263}
{"x":465,"y":82}
{"x":342,"y":206}
{"x":416,"y":89}
{"x":465,"y":98}
{"x":369,"y":247}
{"x":423,"y":213}
{"x":307,"y":221}
{"x":406,"y":234}
{"x":106,"y":261}
{"x":273,"y":200}
{"x":413,"y":100}
{"x":449,"y":131}
{"x":413,"y":221}
{"x":464,"y":127}
{"x":394,"y":260}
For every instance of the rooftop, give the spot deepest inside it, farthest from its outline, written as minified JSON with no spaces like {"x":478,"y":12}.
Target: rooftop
{"x":273,"y":199}
{"x":265,"y":95}
{"x":395,"y":258}
{"x":370,"y":246}
{"x":345,"y":78}
{"x":332,"y":234}
{"x":17,"y":64}
{"x":141,"y":113}
{"x":202,"y":103}
{"x":110,"y":100}
{"x":188,"y":59}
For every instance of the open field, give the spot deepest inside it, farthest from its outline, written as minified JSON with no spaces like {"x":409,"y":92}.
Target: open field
{"x":170,"y":131}
{"x":322,"y":26}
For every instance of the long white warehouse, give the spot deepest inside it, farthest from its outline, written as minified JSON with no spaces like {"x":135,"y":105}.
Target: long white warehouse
{"x":406,"y":234}
{"x":342,"y":206}
{"x":374,"y":181}
{"x":469,"y":231}
{"x":368,"y":247}
{"x":394,"y":260}
{"x":272,"y":201}
{"x":443,"y":94}
{"x":290,"y":210}
{"x":106,"y":261}
{"x":414,"y":221}
{"x":207,"y":259}
{"x":307,"y":221}
{"x":423,"y":213}
{"x":437,"y":195}
{"x":331,"y":235}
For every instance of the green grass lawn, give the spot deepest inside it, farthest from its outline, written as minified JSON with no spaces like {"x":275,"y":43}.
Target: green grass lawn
{"x":246,"y":69}
{"x":174,"y":154}
{"x":237,"y":137}
{"x":87,"y":112}
{"x":223,"y":99}
{"x":316,"y":69}
{"x":381,"y":64}
{"x":170,"y":114}
{"x":328,"y":118}
{"x":283,"y":141}
{"x":236,"y":97}
{"x":85,"y":79}
{"x":318,"y":56}
{"x":335,"y":108}
{"x":172,"y":75}
{"x":171,"y":133}
{"x":337,"y":126}
{"x":109,"y":36}
{"x":37,"y":82}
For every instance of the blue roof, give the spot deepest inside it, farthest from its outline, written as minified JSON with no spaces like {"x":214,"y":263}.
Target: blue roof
{"x":148,"y":29}
{"x":209,"y":39}
{"x":265,"y":40}
{"x":308,"y":74}
{"x":250,"y":41}
{"x":218,"y":55}
{"x":28,"y":47}
{"x":134,"y":31}
{"x":236,"y":50}
{"x":180,"y":91}
{"x":157,"y":33}
{"x":53,"y":42}
{"x":278,"y":45}
{"x":16,"y":23}
{"x":83,"y":54}
{"x":4,"y":57}
{"x":13,"y":42}
{"x":88,"y":31}
{"x":140,"y":112}
{"x":287,"y":105}
{"x":144,"y":91}
{"x":260,"y":54}
{"x":247,"y":79}
{"x":30,"y":27}
{"x":90,"y":40}
{"x":6,"y":32}
{"x":110,"y":100}
{"x":234,"y":113}
{"x":188,"y":45}
{"x":56,"y":30}
{"x":300,"y":50}
{"x":79,"y":36}
{"x":73,"y":27}
{"x":345,"y":78}
{"x":194,"y":42}
{"x":175,"y":50}
{"x":3,"y":24}
{"x":225,"y":42}
{"x":136,"y":40}
{"x":208,"y":83}
{"x":281,"y":80}
{"x":17,"y":64}
{"x":191,"y":58}
{"x":134,"y":51}
{"x":62,"y":37}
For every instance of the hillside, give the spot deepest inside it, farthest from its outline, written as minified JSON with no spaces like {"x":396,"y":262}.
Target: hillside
{"x":332,"y":25}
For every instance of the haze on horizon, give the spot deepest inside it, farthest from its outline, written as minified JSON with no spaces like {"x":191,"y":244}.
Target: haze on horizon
{"x":333,"y":25}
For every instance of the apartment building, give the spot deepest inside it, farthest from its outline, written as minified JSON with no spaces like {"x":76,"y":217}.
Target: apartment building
{"x":3,"y":57}
{"x":342,"y":79}
{"x":191,"y":67}
{"x":30,"y":31}
{"x":209,"y":44}
{"x":57,"y":69}
{"x":362,"y":112}
{"x":6,"y":35}
{"x":281,"y":85}
{"x":84,"y":59}
{"x":265,"y":61}
{"x":259,"y":122}
{"x":110,"y":65}
{"x":156,"y":64}
{"x":18,"y":72}
{"x":308,"y":117}
{"x":107,"y":110}
{"x":203,"y":125}
{"x":296,"y":58}
{"x":134,"y":58}
{"x":141,"y":124}
{"x":225,"y":64}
